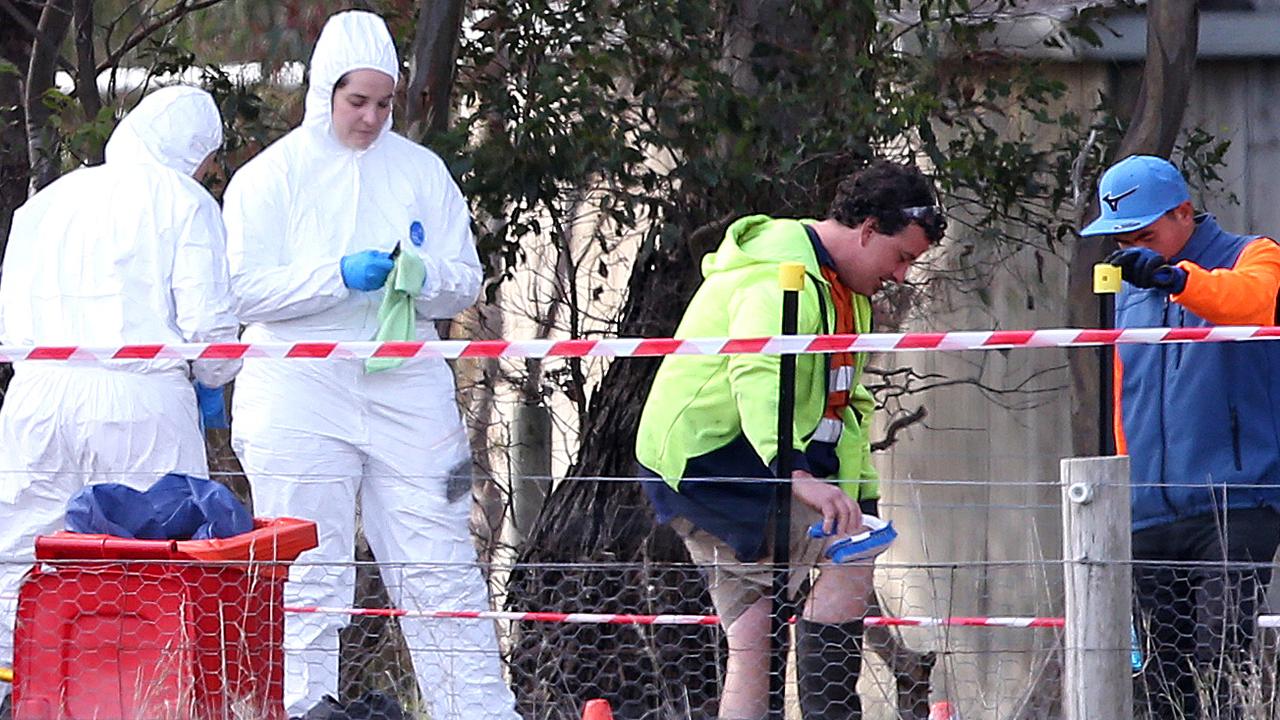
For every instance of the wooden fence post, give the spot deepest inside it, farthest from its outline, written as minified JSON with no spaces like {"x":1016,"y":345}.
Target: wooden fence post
{"x":1097,"y":555}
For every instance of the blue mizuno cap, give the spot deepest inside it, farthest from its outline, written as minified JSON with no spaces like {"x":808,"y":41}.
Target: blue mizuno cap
{"x":1134,"y":193}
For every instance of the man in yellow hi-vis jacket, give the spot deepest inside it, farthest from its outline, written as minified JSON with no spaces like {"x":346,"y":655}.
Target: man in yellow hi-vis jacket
{"x":714,"y":418}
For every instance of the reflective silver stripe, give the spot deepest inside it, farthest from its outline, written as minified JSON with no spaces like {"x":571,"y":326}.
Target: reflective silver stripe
{"x":828,"y":431}
{"x":841,"y":379}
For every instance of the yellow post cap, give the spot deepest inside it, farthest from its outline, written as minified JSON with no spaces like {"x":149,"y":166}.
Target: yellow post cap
{"x":791,"y":276}
{"x":1106,"y":279}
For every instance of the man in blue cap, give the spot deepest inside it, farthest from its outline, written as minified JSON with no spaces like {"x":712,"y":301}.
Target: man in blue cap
{"x":1199,"y":422}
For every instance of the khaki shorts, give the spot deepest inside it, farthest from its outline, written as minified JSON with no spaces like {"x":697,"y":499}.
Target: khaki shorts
{"x":735,"y":585}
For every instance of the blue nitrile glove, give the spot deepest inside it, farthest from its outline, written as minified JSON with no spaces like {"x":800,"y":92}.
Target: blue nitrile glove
{"x":213,"y":409}
{"x":875,"y":539}
{"x":366,"y":270}
{"x":1146,"y":268}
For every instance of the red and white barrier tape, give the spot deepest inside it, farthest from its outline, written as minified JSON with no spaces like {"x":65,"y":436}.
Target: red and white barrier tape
{"x":645,"y":347}
{"x":1007,"y":622}
{"x":630,"y":619}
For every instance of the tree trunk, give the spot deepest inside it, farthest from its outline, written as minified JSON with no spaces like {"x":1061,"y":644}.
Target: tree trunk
{"x":625,"y":563}
{"x":1172,"y":38}
{"x":435,"y":45}
{"x":86,"y":89}
{"x":17,"y":23}
{"x":1173,"y":30}
{"x":42,"y":139}
{"x":15,"y":47}
{"x":643,"y":672}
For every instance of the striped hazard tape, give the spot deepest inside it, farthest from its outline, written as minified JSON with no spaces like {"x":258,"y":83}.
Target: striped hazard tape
{"x":633,"y":619}
{"x":645,"y":347}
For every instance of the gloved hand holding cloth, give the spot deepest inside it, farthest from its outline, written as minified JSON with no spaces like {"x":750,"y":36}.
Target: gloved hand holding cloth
{"x":397,"y":317}
{"x":366,"y":270}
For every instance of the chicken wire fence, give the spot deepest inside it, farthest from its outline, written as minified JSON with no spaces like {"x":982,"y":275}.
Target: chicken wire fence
{"x":209,"y":630}
{"x":207,"y":640}
{"x":962,"y":625}
{"x":1199,"y":647}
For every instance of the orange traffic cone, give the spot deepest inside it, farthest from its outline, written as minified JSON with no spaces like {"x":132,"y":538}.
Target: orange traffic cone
{"x":597,"y":710}
{"x":943,"y":710}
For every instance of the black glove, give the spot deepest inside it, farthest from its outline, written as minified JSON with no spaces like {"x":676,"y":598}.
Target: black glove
{"x":1146,"y":268}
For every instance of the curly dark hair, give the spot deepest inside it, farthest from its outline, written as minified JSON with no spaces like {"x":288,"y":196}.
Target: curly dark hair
{"x":883,"y":190}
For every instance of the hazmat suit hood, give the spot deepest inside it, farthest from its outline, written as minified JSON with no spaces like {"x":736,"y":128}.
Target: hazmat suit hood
{"x":177,"y":127}
{"x":353,"y":40}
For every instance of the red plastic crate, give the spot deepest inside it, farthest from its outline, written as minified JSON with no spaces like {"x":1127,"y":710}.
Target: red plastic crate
{"x":110,"y":628}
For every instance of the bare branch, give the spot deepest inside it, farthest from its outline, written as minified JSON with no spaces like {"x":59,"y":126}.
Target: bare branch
{"x":896,"y":383}
{"x":158,"y":23}
{"x":1078,"y":193}
{"x":708,"y":234}
{"x":897,"y":425}
{"x":109,"y":29}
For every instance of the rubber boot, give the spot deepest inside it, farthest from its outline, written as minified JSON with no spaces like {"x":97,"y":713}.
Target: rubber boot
{"x":828,"y":663}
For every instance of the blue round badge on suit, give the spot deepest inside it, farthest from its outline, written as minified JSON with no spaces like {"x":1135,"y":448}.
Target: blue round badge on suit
{"x":416,"y":235}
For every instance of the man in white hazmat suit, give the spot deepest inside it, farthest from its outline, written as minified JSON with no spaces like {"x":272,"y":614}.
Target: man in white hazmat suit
{"x":310,"y":224}
{"x":128,"y":252}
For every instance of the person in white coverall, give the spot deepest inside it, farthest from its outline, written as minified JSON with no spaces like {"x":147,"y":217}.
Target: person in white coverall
{"x":128,"y":252}
{"x":310,"y":223}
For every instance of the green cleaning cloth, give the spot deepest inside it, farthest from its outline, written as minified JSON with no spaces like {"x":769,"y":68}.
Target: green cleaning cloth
{"x":396,"y":317}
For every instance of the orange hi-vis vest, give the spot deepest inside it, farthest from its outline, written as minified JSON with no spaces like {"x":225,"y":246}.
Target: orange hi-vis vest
{"x":842,"y":367}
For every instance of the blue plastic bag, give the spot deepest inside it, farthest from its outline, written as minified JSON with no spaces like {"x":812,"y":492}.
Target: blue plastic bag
{"x":176,"y":507}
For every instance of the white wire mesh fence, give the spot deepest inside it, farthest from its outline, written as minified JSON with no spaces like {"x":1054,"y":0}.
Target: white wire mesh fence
{"x":621,"y":613}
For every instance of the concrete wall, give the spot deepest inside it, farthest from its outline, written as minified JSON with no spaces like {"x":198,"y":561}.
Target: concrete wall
{"x":973,"y":491}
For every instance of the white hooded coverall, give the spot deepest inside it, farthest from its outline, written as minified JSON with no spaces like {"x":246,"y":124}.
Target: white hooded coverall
{"x":315,"y":435}
{"x":128,"y":252}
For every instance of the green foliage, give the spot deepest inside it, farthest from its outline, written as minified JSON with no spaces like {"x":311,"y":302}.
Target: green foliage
{"x":250,"y":121}
{"x":166,"y":56}
{"x":638,"y":105}
{"x":79,"y":139}
{"x":280,"y":31}
{"x":1201,"y":155}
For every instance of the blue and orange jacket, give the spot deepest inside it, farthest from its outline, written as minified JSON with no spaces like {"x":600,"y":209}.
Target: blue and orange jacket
{"x":1201,"y":421}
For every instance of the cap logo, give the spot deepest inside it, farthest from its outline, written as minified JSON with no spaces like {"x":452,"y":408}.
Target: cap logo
{"x":1113,"y":201}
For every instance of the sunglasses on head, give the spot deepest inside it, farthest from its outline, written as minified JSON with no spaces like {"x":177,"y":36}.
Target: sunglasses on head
{"x":928,"y":217}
